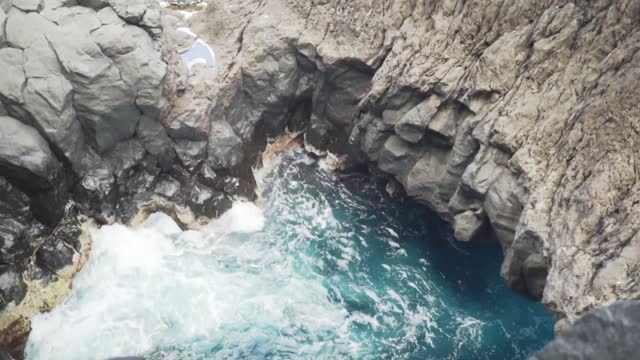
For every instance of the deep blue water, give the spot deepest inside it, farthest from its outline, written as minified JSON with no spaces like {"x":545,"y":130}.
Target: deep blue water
{"x":330,"y":267}
{"x":435,"y":297}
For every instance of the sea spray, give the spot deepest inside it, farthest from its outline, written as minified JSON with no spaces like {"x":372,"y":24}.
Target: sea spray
{"x":328,"y":267}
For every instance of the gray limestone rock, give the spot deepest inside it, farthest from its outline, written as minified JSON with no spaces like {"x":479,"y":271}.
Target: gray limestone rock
{"x":118,"y":39}
{"x":396,"y":157}
{"x":225,"y":147}
{"x":610,"y":332}
{"x":40,"y":61}
{"x":79,"y":55}
{"x":24,"y":29}
{"x":103,"y":101}
{"x":131,"y":11}
{"x":412,"y":126}
{"x":428,"y":179}
{"x":190,"y":121}
{"x":25,"y":157}
{"x":107,"y":16}
{"x":155,"y":141}
{"x":83,"y":17}
{"x":537,"y":104}
{"x":49,"y":102}
{"x":468,"y":224}
{"x":12,"y":82}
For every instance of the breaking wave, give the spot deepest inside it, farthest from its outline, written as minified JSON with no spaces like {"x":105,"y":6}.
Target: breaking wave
{"x":329,"y":267}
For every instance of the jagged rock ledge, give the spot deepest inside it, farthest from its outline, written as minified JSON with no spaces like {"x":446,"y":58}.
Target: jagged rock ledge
{"x":610,"y":332}
{"x":512,"y":121}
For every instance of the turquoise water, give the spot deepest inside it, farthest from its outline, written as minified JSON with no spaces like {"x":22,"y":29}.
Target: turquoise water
{"x":329,"y":267}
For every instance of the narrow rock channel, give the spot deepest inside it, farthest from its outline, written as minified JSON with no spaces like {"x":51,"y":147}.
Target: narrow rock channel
{"x":330,"y":267}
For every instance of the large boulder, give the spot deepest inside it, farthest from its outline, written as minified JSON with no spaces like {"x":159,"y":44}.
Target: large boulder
{"x":24,"y":29}
{"x":25,"y":157}
{"x":49,"y":102}
{"x":83,"y":17}
{"x":134,"y":54}
{"x":103,"y":101}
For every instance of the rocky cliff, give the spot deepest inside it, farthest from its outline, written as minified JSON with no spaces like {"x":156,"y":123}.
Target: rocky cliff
{"x":91,"y":125}
{"x":609,"y":332}
{"x":513,"y":120}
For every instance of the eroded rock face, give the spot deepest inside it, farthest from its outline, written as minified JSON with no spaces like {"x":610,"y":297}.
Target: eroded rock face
{"x":516,"y":120}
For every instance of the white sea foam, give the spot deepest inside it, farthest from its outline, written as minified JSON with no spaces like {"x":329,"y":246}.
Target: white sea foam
{"x":243,"y":217}
{"x":156,"y":286}
{"x":310,"y":275}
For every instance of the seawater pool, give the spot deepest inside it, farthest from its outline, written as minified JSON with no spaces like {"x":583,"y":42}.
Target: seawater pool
{"x":328,"y":267}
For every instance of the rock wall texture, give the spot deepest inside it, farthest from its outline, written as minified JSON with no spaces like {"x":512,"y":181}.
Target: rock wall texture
{"x":514,"y":120}
{"x":592,"y":337}
{"x":96,"y":118}
{"x":517,"y":118}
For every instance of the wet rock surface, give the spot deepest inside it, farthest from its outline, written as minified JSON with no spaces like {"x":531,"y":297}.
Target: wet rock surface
{"x":98,"y":117}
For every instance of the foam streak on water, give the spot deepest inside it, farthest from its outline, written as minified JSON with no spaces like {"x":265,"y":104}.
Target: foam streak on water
{"x":330,"y":267}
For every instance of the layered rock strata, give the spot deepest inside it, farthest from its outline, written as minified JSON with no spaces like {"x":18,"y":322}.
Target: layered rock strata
{"x":516,"y":121}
